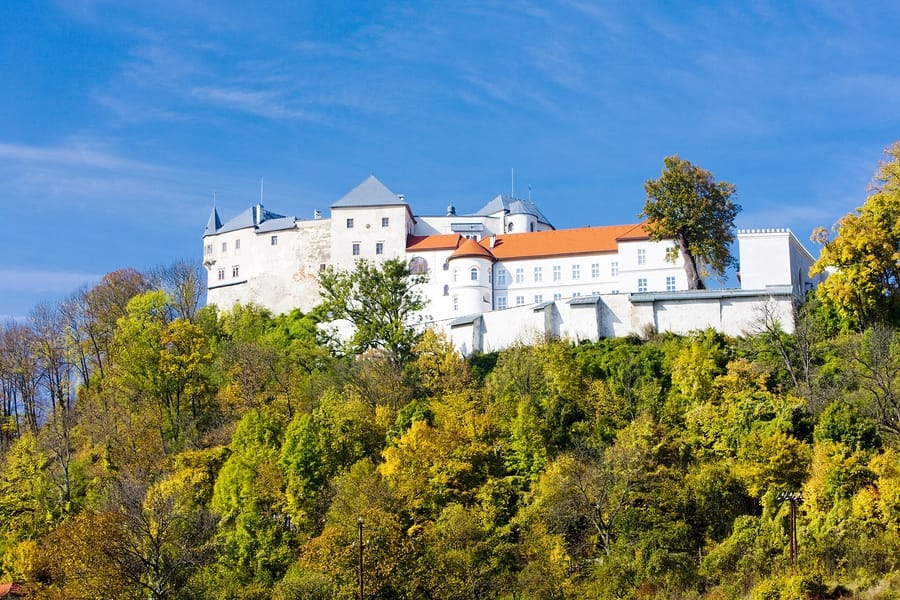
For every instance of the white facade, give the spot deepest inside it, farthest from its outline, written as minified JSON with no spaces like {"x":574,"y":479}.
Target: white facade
{"x":504,"y":261}
{"x":757,"y":247}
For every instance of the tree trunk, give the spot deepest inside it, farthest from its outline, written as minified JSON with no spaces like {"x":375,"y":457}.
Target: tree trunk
{"x":694,"y":281}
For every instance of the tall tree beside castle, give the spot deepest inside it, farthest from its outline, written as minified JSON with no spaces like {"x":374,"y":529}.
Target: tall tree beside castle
{"x":688,"y":205}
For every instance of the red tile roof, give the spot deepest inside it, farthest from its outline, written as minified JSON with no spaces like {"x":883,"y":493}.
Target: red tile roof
{"x":561,"y":242}
{"x":537,"y":244}
{"x":420,"y":243}
{"x":470,"y":247}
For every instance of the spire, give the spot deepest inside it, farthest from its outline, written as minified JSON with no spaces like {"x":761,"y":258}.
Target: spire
{"x":214,"y":224}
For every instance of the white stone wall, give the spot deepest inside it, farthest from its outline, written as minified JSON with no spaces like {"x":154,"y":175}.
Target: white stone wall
{"x":280,"y":276}
{"x":655,"y":268}
{"x":368,"y":231}
{"x":774,"y":257}
{"x":732,"y":312}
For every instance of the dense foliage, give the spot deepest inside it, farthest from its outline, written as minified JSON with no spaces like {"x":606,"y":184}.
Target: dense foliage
{"x":153,"y":449}
{"x":864,"y":254}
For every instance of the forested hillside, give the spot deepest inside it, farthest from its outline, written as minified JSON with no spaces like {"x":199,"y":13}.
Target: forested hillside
{"x":151,"y":448}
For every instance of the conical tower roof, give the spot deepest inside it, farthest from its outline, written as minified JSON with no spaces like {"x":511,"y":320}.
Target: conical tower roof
{"x":214,"y":223}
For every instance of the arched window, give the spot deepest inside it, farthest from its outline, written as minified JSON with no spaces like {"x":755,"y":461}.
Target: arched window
{"x":454,"y":275}
{"x":473,"y":274}
{"x":509,"y":228}
{"x":418,"y":266}
{"x":531,"y":226}
{"x":446,"y":290}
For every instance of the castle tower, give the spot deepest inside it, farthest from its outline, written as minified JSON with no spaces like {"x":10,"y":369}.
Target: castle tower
{"x":471,"y":287}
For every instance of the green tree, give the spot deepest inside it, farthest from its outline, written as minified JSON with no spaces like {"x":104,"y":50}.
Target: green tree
{"x":254,"y":530}
{"x":381,"y":303}
{"x":863,"y":256}
{"x":687,"y":205}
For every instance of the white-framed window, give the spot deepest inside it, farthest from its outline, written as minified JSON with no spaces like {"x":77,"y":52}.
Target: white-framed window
{"x":538,"y":275}
{"x":322,"y":266}
{"x":446,"y":290}
{"x":224,"y":246}
{"x":642,"y":256}
{"x":670,"y":283}
{"x":221,"y":274}
{"x":385,"y":221}
{"x":418,"y":266}
{"x":208,"y":249}
{"x":237,"y":244}
{"x":455,"y":302}
{"x":576,"y":294}
{"x":520,"y":275}
{"x":379,"y":247}
{"x":642,"y":284}
{"x":557,"y":296}
{"x":501,"y":276}
{"x":273,"y":241}
{"x":538,"y":298}
{"x":557,"y":272}
{"x":520,"y":300}
{"x":355,"y":248}
{"x":595,"y":270}
{"x":614,"y":269}
{"x":576,"y":272}
{"x":490,"y":276}
{"x":446,"y":266}
{"x":473,"y":273}
{"x":454,"y":275}
{"x":349,"y":223}
{"x":235,"y":271}
{"x":501,"y":302}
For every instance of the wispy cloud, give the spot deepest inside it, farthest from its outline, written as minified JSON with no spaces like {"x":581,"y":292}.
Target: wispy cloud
{"x":74,"y":155}
{"x":262,"y":103}
{"x":33,"y":281}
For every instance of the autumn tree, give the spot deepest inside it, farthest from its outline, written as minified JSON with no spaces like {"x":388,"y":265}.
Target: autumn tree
{"x":687,"y":205}
{"x":863,"y":257}
{"x":380,"y":301}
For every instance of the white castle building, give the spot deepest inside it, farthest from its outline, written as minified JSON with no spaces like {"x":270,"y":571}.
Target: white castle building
{"x":502,"y":273}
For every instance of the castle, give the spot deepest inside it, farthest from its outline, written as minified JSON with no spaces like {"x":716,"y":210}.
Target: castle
{"x":502,"y":273}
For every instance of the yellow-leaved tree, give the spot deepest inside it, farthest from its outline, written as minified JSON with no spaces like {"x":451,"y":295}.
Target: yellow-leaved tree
{"x":863,"y":256}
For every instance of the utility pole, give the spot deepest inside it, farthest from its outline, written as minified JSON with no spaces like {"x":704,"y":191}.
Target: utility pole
{"x":360,"y":541}
{"x":792,"y":497}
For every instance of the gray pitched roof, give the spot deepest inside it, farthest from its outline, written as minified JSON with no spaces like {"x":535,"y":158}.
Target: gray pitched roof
{"x":248,"y":219}
{"x":370,"y":192}
{"x":515,"y":206}
{"x":214,"y":222}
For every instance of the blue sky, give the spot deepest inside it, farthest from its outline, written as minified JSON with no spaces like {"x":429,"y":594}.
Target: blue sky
{"x":119,"y":120}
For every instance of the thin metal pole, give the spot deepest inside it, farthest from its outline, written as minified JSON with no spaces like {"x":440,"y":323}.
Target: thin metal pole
{"x":359,"y":528}
{"x":793,"y":531}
